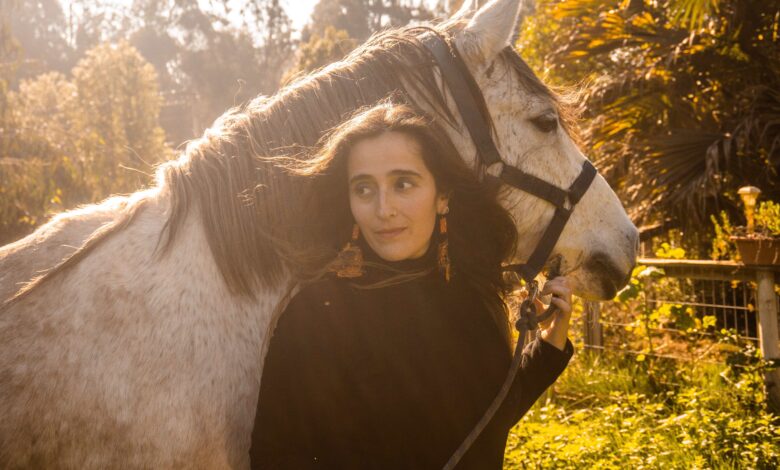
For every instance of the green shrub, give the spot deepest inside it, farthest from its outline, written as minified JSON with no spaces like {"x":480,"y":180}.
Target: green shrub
{"x":631,"y":407}
{"x":611,"y":412}
{"x":767,"y":218}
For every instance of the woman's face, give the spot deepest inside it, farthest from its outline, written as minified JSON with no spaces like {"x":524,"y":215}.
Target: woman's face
{"x":393,"y":195}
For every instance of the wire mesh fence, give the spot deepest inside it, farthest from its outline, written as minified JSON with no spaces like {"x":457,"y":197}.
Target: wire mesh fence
{"x":732,"y":303}
{"x":713,"y":296}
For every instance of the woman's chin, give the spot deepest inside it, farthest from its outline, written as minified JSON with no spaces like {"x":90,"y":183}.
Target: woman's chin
{"x":393,"y":252}
{"x":390,"y":255}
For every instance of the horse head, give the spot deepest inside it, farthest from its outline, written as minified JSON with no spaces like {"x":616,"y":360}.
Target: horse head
{"x":598,"y":246}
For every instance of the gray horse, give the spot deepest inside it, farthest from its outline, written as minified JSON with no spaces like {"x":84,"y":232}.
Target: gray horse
{"x":133,"y":332}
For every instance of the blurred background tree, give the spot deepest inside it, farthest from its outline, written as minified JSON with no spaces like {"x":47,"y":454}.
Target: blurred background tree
{"x":115,"y":114}
{"x":338,"y":26}
{"x":681,"y":100}
{"x":361,"y":18}
{"x":79,"y":140}
{"x":321,"y":50}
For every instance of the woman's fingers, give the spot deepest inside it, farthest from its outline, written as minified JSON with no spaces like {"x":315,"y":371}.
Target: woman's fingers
{"x":561,"y":299}
{"x":558,"y":286}
{"x":563,"y":305}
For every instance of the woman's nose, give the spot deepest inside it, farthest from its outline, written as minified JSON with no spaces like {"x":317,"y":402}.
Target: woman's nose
{"x":385,"y":206}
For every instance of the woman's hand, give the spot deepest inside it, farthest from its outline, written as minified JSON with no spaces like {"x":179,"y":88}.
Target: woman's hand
{"x":556,"y":328}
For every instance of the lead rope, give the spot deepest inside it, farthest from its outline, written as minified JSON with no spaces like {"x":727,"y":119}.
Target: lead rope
{"x":527,"y":321}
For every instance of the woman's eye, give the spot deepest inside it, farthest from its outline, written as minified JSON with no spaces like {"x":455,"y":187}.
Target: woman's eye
{"x":403,"y":184}
{"x":362,"y":190}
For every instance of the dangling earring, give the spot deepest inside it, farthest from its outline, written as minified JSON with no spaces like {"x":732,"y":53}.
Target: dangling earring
{"x":349,"y":262}
{"x":444,"y":256}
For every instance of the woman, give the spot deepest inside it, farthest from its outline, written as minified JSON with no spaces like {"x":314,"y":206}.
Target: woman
{"x":390,"y":359}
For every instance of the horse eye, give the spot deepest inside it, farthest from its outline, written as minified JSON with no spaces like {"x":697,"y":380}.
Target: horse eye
{"x":546,"y":122}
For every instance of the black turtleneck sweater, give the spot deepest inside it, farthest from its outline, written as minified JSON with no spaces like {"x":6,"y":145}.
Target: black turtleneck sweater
{"x":391,"y":378}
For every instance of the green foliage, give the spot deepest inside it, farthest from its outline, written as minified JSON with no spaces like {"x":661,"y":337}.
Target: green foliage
{"x":37,"y":175}
{"x":209,"y":56}
{"x":682,"y":98}
{"x":722,"y":246}
{"x":669,"y":252}
{"x":610,"y":412}
{"x":670,"y":390}
{"x":767,"y":218}
{"x":321,"y":50}
{"x":80,"y":140}
{"x":644,"y":322}
{"x":118,"y":104}
{"x":361,"y":18}
{"x":767,"y":224}
{"x":691,"y":14}
{"x":646,"y":317}
{"x":604,"y":415}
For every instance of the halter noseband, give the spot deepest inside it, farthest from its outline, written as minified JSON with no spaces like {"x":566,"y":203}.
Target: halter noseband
{"x":455,"y":73}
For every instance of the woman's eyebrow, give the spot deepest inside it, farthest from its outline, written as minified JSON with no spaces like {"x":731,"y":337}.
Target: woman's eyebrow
{"x":399,"y":172}
{"x":405,"y":173}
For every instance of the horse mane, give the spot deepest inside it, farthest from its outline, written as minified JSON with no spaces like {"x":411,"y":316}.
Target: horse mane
{"x":228,"y":175}
{"x":242,"y":198}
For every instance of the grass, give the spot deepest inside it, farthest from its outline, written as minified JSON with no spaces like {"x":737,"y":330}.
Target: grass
{"x":610,"y":411}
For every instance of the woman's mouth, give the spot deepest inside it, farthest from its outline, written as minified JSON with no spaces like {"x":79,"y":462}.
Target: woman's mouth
{"x":390,"y":233}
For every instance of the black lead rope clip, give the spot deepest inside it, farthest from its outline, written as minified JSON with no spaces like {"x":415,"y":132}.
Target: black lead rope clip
{"x":526,"y":318}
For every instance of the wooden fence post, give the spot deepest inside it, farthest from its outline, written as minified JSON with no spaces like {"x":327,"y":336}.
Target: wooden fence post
{"x":767,"y":332}
{"x":592,"y":326}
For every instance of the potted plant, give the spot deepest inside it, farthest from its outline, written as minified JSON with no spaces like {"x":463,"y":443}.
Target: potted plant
{"x":758,"y":242}
{"x":761,"y":245}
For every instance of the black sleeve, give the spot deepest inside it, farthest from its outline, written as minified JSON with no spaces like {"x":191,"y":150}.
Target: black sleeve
{"x":540,"y":366}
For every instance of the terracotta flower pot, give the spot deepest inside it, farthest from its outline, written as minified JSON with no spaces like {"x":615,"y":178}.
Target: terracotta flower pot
{"x":763,"y":251}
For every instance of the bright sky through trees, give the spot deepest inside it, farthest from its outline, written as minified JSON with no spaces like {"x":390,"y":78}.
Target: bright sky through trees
{"x":298,"y":10}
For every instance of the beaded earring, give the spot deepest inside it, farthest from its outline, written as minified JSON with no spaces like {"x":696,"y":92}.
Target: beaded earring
{"x":349,"y":261}
{"x":444,"y":256}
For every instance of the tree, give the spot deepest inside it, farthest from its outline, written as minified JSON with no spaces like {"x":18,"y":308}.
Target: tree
{"x":361,"y":18}
{"x":200,"y":54}
{"x":67,"y":142}
{"x":117,"y":109}
{"x":319,"y":51}
{"x":39,"y":174}
{"x":682,"y":98}
{"x":41,"y":32}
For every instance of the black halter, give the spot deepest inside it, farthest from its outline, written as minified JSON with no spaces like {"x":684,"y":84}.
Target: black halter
{"x":455,"y":73}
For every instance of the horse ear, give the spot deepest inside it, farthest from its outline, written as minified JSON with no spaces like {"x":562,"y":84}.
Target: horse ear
{"x":467,"y":8}
{"x":491,"y":29}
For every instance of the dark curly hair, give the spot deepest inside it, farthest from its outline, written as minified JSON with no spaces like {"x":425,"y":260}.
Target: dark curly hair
{"x":482,"y":234}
